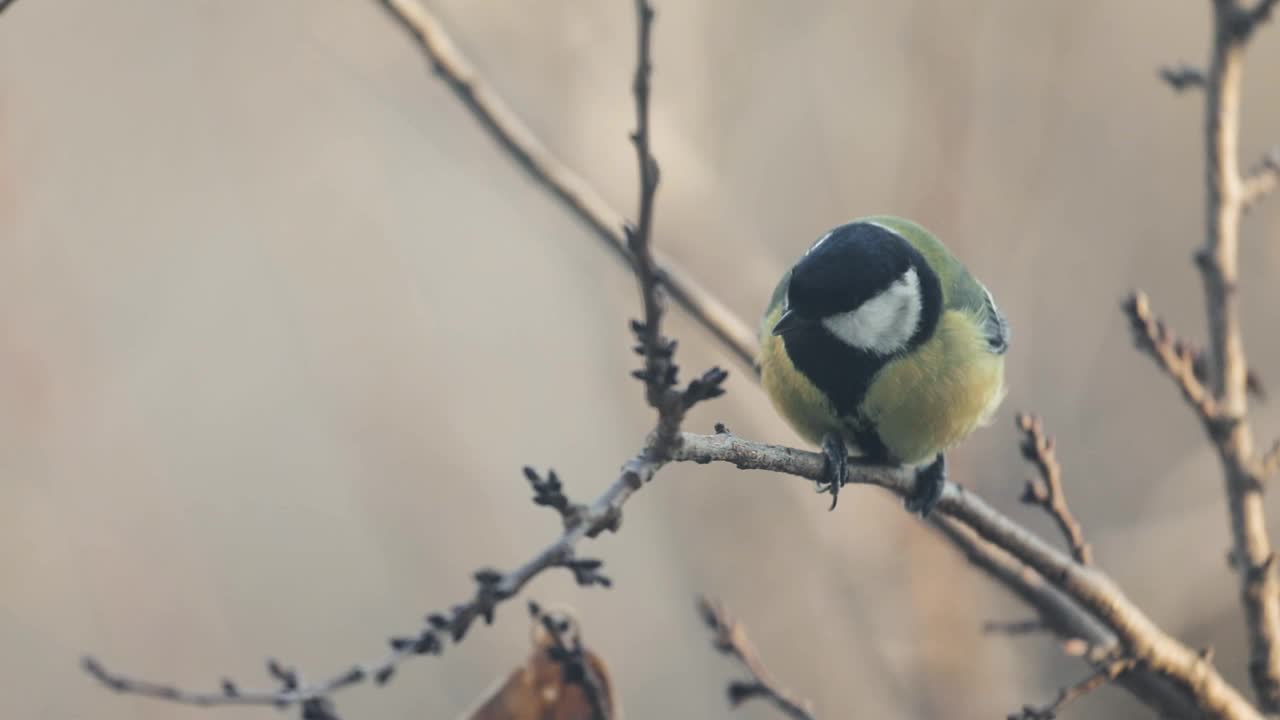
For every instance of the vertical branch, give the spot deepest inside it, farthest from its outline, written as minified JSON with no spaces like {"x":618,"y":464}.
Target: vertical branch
{"x":639,"y":235}
{"x":1227,"y":376}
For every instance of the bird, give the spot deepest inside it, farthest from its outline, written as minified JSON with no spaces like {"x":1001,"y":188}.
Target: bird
{"x":882,"y":348}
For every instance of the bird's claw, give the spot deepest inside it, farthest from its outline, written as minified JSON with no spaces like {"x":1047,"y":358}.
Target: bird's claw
{"x":930,"y":481}
{"x":835,"y":472}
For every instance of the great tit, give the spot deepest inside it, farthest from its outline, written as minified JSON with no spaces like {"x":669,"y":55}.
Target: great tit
{"x":879,"y":341}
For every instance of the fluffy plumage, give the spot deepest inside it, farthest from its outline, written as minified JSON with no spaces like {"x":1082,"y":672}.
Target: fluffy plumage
{"x":890,"y":343}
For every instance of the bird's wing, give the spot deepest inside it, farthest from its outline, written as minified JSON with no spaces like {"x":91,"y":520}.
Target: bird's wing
{"x":775,"y":301}
{"x":994,"y":325}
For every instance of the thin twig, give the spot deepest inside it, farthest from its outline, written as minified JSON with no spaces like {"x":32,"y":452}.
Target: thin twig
{"x":1105,"y":673}
{"x":1047,"y":492}
{"x":567,"y":186}
{"x":313,"y":698}
{"x":660,"y":371}
{"x":1258,"y":14}
{"x":730,"y":638}
{"x":1175,"y":357}
{"x":1182,"y":77}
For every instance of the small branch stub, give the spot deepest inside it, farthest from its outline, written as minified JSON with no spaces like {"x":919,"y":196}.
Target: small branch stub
{"x":1105,"y":673}
{"x":1047,"y":492}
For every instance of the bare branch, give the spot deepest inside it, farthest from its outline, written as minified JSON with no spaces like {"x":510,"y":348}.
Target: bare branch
{"x":575,"y":193}
{"x":1106,"y":672}
{"x":730,"y":638}
{"x":313,"y":698}
{"x":1182,"y":77}
{"x":1080,"y":633}
{"x":660,"y":371}
{"x":1164,"y":657}
{"x":1258,"y":14}
{"x":4,"y":5}
{"x":1210,"y":695}
{"x":1037,"y":448}
{"x":1227,"y":194}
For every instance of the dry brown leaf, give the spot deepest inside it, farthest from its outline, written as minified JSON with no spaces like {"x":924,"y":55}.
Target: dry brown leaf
{"x":536,"y":690}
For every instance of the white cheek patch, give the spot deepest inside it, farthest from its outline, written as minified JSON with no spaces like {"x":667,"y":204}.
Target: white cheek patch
{"x":885,"y":323}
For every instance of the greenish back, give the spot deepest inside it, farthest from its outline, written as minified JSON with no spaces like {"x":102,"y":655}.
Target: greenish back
{"x":960,"y":289}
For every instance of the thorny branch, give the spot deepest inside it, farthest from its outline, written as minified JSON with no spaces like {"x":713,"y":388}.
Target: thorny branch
{"x":1221,"y":400}
{"x":730,"y":638}
{"x":1047,"y":492}
{"x":1105,"y":673}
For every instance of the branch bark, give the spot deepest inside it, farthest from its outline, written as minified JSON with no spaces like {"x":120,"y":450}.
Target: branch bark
{"x":1048,"y":493}
{"x":1227,"y":195}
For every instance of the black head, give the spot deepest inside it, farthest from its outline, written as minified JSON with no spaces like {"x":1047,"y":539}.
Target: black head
{"x":867,"y":287}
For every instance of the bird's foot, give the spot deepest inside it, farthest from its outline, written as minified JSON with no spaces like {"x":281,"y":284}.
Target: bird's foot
{"x":930,"y":480}
{"x":835,"y":472}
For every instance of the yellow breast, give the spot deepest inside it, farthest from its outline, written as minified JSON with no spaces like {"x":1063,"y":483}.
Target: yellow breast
{"x":930,"y":400}
{"x":920,"y":405}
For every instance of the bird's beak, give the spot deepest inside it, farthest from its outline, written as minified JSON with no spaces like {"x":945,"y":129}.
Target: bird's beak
{"x":789,"y":321}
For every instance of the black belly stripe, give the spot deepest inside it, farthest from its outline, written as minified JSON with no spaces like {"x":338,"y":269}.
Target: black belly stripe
{"x":844,"y":374}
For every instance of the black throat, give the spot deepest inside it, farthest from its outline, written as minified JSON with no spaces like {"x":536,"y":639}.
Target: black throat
{"x":844,"y":373}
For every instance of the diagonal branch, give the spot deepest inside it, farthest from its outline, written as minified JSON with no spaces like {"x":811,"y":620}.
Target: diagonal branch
{"x":1209,"y":694}
{"x":730,"y":638}
{"x":1037,"y":448}
{"x":574,"y":192}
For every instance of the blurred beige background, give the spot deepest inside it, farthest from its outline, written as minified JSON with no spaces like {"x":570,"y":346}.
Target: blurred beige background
{"x":279,"y":326}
